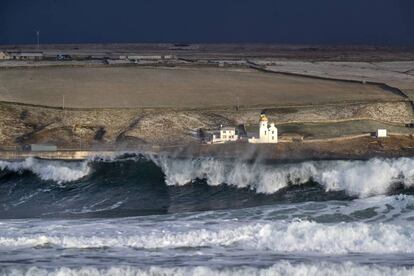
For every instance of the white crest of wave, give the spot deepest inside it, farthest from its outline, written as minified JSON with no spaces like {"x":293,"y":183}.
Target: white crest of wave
{"x":278,"y":237}
{"x":357,"y":178}
{"x":279,"y":268}
{"x":57,"y":171}
{"x":262,"y":178}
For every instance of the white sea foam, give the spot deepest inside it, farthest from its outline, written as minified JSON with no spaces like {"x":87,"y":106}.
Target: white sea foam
{"x":278,"y":237}
{"x":57,"y":171}
{"x":279,"y":268}
{"x":357,"y":178}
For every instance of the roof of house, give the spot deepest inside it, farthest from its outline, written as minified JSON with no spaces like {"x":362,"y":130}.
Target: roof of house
{"x":212,"y":132}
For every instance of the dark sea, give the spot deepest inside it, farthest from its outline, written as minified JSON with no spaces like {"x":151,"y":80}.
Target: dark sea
{"x":152,"y":215}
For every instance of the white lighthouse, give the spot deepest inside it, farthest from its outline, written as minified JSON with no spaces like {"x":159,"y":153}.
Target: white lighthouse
{"x":267,"y":134}
{"x":263,"y":132}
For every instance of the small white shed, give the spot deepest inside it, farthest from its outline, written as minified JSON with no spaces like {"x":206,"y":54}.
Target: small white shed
{"x":381,"y":133}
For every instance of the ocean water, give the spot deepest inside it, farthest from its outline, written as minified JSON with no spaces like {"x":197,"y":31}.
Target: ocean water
{"x":147,"y":215}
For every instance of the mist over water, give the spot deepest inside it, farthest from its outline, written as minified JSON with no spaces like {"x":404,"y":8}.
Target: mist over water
{"x":135,"y":214}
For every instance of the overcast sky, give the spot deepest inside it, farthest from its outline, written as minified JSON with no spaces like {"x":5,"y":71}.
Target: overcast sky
{"x":384,"y":22}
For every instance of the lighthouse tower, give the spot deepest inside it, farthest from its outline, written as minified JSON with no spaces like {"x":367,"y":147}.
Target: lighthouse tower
{"x":267,"y":134}
{"x":264,"y":130}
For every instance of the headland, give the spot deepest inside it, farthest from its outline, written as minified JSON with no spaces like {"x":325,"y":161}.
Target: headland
{"x":92,"y":99}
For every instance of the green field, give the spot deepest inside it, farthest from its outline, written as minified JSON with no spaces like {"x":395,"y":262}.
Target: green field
{"x":189,"y":87}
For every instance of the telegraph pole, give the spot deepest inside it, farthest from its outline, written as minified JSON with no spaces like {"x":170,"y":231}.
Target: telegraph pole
{"x":38,"y":39}
{"x":63,"y":107}
{"x":80,"y":140}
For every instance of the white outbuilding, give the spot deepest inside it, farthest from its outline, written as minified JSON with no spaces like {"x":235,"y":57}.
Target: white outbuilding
{"x":381,"y":133}
{"x":267,"y":133}
{"x":4,"y":55}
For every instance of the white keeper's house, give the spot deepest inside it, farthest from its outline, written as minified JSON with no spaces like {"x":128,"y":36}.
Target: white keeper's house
{"x":267,"y":132}
{"x":227,"y":134}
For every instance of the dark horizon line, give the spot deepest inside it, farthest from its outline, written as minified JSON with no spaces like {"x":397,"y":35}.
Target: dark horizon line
{"x":321,"y":45}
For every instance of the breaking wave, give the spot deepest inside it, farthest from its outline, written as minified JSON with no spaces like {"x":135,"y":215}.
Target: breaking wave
{"x":279,"y":268}
{"x":143,"y":185}
{"x":305,"y":237}
{"x":357,"y":178}
{"x":57,"y":171}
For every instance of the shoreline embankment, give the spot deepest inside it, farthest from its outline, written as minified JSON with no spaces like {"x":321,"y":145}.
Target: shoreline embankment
{"x":346,"y":148}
